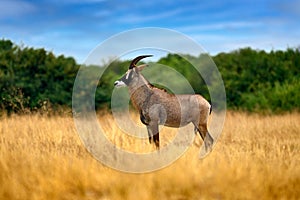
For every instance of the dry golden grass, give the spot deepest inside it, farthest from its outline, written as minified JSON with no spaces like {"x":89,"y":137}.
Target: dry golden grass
{"x":257,"y":157}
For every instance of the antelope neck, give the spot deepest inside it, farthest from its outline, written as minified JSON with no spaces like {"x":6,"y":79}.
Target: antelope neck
{"x":140,"y":94}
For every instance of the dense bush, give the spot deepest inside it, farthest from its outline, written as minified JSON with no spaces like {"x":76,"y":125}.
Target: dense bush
{"x":34,"y":79}
{"x":31,"y":79}
{"x":260,"y":81}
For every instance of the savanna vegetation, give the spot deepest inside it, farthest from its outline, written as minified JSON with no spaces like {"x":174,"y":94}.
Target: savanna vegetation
{"x":42,"y":158}
{"x":255,"y":80}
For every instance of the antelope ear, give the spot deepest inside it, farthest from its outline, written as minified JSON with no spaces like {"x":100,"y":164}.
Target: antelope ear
{"x":141,"y":67}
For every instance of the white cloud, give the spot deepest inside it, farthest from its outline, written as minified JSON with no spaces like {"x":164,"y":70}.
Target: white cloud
{"x":77,"y":31}
{"x":288,"y":8}
{"x":12,"y":8}
{"x":215,"y":44}
{"x":221,"y":26}
{"x":156,"y":40}
{"x":77,"y":1}
{"x":139,"y":18}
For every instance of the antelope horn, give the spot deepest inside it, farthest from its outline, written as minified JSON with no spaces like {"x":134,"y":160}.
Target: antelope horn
{"x":136,"y":60}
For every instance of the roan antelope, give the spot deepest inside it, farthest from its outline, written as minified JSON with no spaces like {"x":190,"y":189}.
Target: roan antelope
{"x":158,"y":107}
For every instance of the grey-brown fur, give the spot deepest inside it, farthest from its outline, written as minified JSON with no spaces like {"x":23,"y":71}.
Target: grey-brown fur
{"x":158,"y":107}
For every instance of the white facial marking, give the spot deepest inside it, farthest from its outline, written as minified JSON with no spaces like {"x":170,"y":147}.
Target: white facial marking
{"x":119,"y":84}
{"x":127,"y":74}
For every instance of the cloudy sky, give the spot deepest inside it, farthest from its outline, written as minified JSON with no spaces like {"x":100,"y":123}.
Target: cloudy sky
{"x":76,"y":27}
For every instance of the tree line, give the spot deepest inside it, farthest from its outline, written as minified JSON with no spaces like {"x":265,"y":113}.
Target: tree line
{"x":35,"y":80}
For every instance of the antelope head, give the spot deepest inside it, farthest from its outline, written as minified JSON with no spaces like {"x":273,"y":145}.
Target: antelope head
{"x":133,"y":73}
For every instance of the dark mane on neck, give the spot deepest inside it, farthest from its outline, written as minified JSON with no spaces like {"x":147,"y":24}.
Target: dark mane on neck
{"x":154,"y":87}
{"x":151,"y":86}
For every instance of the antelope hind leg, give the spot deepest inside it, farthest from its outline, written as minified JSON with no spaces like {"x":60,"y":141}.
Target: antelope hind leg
{"x":208,"y":142}
{"x":203,"y":130}
{"x":196,"y":131}
{"x":206,"y":137}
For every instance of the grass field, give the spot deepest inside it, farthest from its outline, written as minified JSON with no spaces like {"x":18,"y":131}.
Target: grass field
{"x":256,"y":157}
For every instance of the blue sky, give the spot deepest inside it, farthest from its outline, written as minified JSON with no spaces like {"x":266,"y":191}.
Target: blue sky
{"x":76,"y":27}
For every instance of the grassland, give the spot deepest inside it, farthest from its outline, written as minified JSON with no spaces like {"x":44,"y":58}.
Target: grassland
{"x":256,"y":157}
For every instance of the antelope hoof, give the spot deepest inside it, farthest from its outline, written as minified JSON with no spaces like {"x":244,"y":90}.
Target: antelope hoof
{"x":150,"y":140}
{"x":157,"y":145}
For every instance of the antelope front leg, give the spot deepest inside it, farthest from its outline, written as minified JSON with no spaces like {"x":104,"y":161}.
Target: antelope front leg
{"x":153,"y":134}
{"x":150,"y":136}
